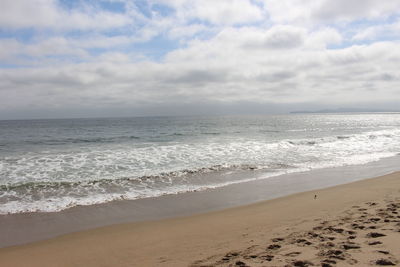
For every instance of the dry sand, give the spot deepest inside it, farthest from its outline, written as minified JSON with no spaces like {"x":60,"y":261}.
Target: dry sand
{"x":355,"y":224}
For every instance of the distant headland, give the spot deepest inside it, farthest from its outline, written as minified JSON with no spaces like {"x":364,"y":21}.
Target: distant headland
{"x":346,"y":110}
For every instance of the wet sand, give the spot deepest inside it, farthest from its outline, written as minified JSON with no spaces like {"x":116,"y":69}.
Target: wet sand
{"x":352,"y":224}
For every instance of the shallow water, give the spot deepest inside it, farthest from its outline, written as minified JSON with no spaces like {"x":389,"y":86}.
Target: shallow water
{"x":50,"y":165}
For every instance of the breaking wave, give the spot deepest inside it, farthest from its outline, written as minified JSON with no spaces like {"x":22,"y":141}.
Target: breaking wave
{"x":98,"y":175}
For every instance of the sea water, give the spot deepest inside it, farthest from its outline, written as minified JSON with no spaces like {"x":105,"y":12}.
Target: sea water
{"x":51,"y":165}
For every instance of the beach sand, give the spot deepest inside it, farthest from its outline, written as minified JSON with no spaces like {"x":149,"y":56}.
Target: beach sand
{"x":354,"y":224}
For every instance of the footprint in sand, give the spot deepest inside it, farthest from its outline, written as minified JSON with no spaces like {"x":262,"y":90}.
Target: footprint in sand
{"x":303,"y":242}
{"x":277,"y":239}
{"x":267,"y":257}
{"x":326,"y":245}
{"x":240,"y":263}
{"x":383,"y":252}
{"x":384,"y":262}
{"x":357,"y":226}
{"x":230,"y":255}
{"x":327,"y":262}
{"x":333,"y":254}
{"x":274,"y":247}
{"x":374,"y":243}
{"x":302,"y":263}
{"x":333,"y":229}
{"x":292,"y":254}
{"x":348,"y":246}
{"x":375,"y":235}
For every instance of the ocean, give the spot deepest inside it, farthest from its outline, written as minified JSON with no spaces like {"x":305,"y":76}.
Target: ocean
{"x":52,"y":165}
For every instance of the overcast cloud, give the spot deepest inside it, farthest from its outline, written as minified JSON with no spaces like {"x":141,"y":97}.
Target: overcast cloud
{"x":177,"y":57}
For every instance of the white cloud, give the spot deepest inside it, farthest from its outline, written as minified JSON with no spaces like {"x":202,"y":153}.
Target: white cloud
{"x":229,"y":51}
{"x":221,"y":12}
{"x":73,"y":48}
{"x":289,"y":11}
{"x":220,"y":69}
{"x":48,"y":14}
{"x":8,"y":49}
{"x":328,"y":11}
{"x":187,"y":31}
{"x":322,"y":38}
{"x":284,"y":37}
{"x":354,"y":9}
{"x":14,"y":52}
{"x":391,"y":30}
{"x":226,"y":12}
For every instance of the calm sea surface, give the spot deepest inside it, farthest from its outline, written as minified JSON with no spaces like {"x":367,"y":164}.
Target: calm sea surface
{"x":51,"y":165}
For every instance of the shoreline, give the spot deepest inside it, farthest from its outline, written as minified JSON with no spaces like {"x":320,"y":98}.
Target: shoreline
{"x":203,"y":239}
{"x":18,"y":229}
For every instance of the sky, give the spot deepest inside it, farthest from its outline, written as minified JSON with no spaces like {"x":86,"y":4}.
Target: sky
{"x":87,"y":58}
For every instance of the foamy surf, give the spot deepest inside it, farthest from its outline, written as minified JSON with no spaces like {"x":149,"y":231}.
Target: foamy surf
{"x":52,"y":176}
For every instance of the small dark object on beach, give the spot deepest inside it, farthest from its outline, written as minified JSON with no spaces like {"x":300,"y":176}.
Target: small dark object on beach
{"x":384,"y":262}
{"x":315,"y":196}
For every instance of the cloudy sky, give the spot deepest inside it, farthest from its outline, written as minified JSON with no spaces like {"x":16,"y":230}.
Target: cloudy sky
{"x":73,"y":58}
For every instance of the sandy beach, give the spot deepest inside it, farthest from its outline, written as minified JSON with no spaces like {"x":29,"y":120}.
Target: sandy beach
{"x":178,"y":133}
{"x":352,"y":224}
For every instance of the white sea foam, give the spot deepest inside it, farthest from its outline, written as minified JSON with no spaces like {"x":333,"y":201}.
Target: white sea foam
{"x":52,"y":181}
